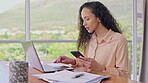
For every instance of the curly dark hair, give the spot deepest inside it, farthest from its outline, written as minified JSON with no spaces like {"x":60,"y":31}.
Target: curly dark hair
{"x":101,"y":12}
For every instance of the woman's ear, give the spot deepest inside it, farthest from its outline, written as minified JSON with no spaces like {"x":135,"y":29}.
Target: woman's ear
{"x":98,"y":19}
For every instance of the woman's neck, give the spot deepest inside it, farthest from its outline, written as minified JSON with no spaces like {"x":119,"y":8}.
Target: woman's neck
{"x":100,"y":32}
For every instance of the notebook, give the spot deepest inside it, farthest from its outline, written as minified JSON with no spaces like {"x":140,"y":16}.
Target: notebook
{"x":34,"y":61}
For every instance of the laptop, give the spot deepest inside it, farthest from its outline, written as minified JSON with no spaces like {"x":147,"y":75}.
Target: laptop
{"x":34,"y":61}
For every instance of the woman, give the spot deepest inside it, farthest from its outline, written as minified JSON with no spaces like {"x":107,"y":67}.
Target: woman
{"x":104,"y":47}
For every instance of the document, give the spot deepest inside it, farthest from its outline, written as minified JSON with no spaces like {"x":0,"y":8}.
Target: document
{"x":71,"y":77}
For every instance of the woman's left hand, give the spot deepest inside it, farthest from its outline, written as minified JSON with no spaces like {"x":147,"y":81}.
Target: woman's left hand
{"x":91,"y":64}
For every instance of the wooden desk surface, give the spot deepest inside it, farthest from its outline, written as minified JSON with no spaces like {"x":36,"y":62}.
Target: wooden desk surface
{"x":4,"y":75}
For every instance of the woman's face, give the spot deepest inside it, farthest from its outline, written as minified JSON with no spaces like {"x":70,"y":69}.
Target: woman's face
{"x":90,"y":21}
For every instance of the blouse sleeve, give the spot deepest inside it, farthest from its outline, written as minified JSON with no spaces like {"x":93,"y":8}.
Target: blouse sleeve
{"x":121,"y":67}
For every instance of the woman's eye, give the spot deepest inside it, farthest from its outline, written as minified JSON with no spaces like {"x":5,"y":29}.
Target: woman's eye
{"x":87,"y":19}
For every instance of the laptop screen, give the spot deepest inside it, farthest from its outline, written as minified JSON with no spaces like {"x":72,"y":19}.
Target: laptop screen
{"x":31,"y":55}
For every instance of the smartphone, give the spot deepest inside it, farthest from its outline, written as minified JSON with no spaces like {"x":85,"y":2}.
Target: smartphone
{"x":77,"y":54}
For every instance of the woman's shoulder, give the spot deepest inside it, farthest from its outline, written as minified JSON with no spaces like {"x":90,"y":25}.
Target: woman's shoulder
{"x":118,"y":37}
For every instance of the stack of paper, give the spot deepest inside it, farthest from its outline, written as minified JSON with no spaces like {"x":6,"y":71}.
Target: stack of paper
{"x":71,"y":77}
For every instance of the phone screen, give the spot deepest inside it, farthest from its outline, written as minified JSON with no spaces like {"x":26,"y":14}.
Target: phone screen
{"x":77,"y":54}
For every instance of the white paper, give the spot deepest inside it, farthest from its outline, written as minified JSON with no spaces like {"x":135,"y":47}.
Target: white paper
{"x":66,"y":77}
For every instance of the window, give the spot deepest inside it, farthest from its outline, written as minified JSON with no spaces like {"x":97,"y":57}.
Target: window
{"x":53,"y":25}
{"x":12,"y":23}
{"x":54,"y":19}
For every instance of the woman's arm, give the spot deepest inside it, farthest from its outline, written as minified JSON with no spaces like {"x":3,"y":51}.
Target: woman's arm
{"x":121,"y":66}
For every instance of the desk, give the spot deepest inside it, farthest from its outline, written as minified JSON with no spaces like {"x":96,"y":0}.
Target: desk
{"x":4,"y":75}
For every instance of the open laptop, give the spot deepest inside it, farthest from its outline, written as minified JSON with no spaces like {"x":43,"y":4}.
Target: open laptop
{"x":34,"y":61}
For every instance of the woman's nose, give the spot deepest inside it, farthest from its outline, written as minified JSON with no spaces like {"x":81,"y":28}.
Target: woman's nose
{"x":84,"y":23}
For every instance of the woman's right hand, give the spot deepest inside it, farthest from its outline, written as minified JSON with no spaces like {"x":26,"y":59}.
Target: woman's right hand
{"x":65,"y":60}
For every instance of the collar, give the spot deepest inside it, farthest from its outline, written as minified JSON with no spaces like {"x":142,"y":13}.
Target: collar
{"x":106,"y":38}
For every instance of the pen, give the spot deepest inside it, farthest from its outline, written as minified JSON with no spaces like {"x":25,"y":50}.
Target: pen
{"x":78,"y":75}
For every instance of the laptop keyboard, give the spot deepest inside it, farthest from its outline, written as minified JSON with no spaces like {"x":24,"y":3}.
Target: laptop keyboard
{"x":54,"y":67}
{"x":47,"y":67}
